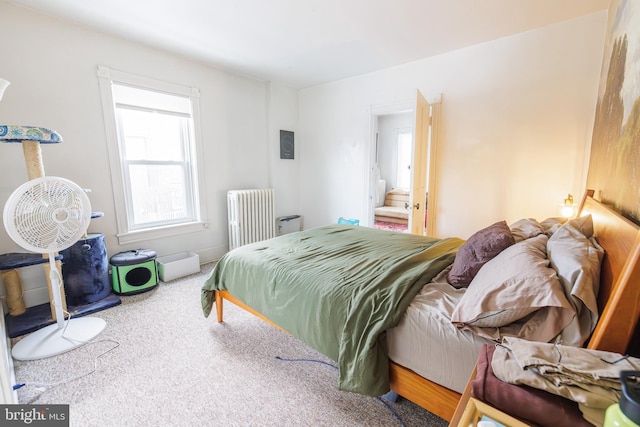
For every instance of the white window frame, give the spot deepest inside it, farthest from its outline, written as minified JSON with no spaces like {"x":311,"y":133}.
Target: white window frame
{"x":106,"y":77}
{"x":401,"y":168}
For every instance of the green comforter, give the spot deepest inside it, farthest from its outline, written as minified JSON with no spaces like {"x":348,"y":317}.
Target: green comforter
{"x":338,"y":288}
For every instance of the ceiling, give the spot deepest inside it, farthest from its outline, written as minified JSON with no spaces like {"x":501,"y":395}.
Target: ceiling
{"x":303,"y":43}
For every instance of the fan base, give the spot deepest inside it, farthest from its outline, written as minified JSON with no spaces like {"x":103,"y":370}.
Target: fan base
{"x":53,"y":340}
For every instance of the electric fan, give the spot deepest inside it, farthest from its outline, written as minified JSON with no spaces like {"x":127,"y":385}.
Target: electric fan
{"x":46,"y":215}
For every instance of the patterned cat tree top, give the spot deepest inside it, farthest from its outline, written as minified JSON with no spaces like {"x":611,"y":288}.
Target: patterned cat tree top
{"x":13,"y":133}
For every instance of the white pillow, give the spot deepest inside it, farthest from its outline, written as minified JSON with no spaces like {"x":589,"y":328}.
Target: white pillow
{"x":516,"y":294}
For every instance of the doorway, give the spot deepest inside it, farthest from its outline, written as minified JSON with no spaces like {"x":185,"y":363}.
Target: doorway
{"x":393,"y":170}
{"x":392,"y":203}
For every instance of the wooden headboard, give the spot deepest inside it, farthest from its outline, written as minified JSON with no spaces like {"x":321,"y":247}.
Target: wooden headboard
{"x":619,"y":293}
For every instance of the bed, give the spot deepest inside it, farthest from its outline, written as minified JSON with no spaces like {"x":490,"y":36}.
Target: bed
{"x":369,"y":352}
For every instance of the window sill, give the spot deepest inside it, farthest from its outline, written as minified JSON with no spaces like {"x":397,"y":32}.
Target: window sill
{"x":161,"y":232}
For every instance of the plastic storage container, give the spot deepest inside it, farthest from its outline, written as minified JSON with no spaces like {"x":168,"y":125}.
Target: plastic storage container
{"x":178,"y":265}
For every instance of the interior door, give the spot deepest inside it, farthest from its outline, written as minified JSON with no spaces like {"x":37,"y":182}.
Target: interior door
{"x":422,"y":134}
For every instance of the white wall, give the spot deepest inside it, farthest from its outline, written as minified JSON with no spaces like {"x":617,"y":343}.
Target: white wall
{"x":284,"y":173}
{"x":517,"y":115}
{"x":52,"y":69}
{"x":517,"y":119}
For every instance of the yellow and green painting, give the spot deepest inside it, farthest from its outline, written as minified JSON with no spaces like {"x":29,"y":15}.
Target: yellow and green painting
{"x":614,"y":166}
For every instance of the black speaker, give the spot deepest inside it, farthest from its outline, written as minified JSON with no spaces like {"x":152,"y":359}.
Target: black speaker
{"x":286,"y":144}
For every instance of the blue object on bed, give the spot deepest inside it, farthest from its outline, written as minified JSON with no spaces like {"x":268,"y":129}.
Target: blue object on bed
{"x":351,"y":221}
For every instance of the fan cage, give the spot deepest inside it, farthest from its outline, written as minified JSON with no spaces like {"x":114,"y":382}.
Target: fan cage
{"x":47,"y":214}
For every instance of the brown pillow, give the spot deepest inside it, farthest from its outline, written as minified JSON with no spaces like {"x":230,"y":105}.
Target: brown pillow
{"x":481,"y":247}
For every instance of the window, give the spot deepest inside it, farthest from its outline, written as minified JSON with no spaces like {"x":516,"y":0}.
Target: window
{"x":151,"y":132}
{"x":403,"y":167}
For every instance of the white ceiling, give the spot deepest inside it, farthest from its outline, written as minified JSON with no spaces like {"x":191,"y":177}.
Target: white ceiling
{"x":303,"y":43}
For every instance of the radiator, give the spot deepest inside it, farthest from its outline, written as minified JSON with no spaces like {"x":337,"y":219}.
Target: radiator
{"x":251,"y":216}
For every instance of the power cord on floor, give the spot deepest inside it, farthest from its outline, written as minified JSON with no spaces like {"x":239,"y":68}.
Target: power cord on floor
{"x":381,"y":399}
{"x":95,"y":368}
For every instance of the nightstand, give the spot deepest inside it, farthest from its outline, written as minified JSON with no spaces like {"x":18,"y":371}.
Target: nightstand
{"x":474,"y":411}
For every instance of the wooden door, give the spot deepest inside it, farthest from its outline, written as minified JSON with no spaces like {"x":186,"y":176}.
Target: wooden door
{"x":420,"y":165}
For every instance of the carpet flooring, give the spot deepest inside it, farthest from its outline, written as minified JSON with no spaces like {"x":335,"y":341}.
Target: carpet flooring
{"x":160,"y":362}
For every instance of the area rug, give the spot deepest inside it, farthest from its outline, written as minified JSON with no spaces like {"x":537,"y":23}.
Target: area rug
{"x":383,"y":225}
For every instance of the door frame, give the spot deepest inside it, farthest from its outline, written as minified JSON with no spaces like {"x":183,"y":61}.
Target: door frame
{"x":432,"y":164}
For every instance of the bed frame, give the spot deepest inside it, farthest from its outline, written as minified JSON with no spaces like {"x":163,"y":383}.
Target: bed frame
{"x":618,"y":301}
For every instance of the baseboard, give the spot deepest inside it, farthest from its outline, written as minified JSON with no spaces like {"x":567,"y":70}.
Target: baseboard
{"x":7,"y":394}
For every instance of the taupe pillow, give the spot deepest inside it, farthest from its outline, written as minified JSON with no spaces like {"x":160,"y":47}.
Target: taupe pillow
{"x":525,"y":229}
{"x":584,"y":224}
{"x":577,"y":258}
{"x":552,"y":224}
{"x":516,"y":293}
{"x":481,"y":247}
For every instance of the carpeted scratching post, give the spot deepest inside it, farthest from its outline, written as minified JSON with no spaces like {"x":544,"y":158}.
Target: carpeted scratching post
{"x":31,"y":137}
{"x":13,"y":286}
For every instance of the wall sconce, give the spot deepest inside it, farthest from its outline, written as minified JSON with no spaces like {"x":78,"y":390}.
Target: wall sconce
{"x":568,"y":209}
{"x":3,"y":85}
